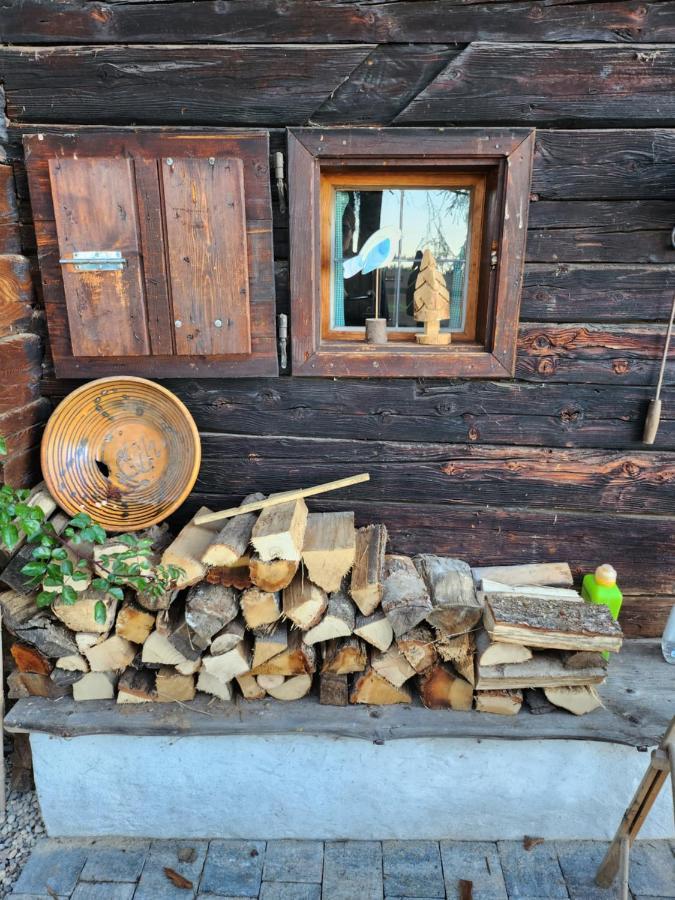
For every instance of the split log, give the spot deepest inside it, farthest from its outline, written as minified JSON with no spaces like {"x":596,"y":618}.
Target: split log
{"x":136,"y":686}
{"x":375,"y":629}
{"x":405,"y":599}
{"x":338,"y":621}
{"x":95,"y":686}
{"x":501,"y":703}
{"x":189,"y":667}
{"x":537,"y":703}
{"x":418,"y":648}
{"x":293,"y":688}
{"x":174,"y":687}
{"x":456,"y":608}
{"x":535,"y":574}
{"x":16,"y":689}
{"x":578,"y":700}
{"x":551,"y":623}
{"x":79,"y":616}
{"x":368,"y":571}
{"x":543,"y":670}
{"x":280,"y":530}
{"x":28,"y":659}
{"x":228,"y":665}
{"x":208,"y":609}
{"x":73,"y":663}
{"x":304,"y":603}
{"x":333,"y":689}
{"x":297,"y":659}
{"x":158,"y":649}
{"x":496,"y":587}
{"x":260,"y":608}
{"x":268,"y":645}
{"x":187,"y":549}
{"x":249,"y":687}
{"x":228,"y":638}
{"x":111,"y":655}
{"x":495,"y":653}
{"x":19,"y":610}
{"x":33,"y":684}
{"x":87,"y":639}
{"x":178,"y":633}
{"x":461,"y":652}
{"x":392,"y":665}
{"x":134,"y":623}
{"x":373,"y":688}
{"x":231,"y":542}
{"x":269,"y":681}
{"x":343,"y":657}
{"x":329,"y":547}
{"x":210,"y":684}
{"x":238,"y":577}
{"x":272,"y":575}
{"x":442,"y":689}
{"x":583,"y":659}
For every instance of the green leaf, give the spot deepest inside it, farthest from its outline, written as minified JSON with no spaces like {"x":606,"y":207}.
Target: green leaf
{"x":128,"y":539}
{"x":34,"y":569}
{"x":50,"y":581}
{"x":100,"y":584}
{"x":66,"y":567}
{"x":3,"y":447}
{"x":100,"y":612}
{"x":60,"y":553}
{"x":79,"y":575}
{"x":10,"y":536}
{"x":41,"y":553}
{"x":44,"y":598}
{"x":23,"y":494}
{"x":81,"y":520}
{"x":98,"y":533}
{"x":116,"y":592}
{"x":32,"y":530}
{"x":69,"y":595}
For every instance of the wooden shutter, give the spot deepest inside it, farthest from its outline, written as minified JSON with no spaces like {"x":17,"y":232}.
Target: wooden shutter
{"x":187,"y":223}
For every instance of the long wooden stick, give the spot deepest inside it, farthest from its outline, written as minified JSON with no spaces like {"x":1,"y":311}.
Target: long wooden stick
{"x":281,"y":498}
{"x":653,"y":419}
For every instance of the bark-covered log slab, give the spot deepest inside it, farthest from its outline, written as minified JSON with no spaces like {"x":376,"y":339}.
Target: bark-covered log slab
{"x":538,"y":83}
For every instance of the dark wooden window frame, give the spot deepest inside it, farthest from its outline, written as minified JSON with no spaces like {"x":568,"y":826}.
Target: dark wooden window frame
{"x":505,"y":155}
{"x":145,"y":147}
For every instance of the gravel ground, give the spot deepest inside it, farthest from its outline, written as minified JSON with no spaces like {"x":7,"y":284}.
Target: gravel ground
{"x":19,"y":831}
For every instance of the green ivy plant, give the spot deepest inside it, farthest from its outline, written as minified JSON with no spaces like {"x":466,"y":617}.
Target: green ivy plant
{"x":59,"y":561}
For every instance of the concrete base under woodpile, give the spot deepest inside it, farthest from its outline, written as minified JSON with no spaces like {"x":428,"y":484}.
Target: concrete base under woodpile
{"x":302,"y":770}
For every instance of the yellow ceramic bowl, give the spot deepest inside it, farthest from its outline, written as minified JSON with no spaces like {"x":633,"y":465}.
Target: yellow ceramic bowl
{"x":125,"y":450}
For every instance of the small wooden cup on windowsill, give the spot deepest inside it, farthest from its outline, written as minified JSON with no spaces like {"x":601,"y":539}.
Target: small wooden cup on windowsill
{"x":376,"y":331}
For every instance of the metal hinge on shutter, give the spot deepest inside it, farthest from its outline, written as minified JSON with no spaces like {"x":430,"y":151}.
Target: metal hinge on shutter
{"x":282,"y":340}
{"x":95,"y":261}
{"x":279,"y":178}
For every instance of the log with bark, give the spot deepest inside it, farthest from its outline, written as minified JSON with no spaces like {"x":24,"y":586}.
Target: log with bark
{"x":231,"y":543}
{"x":418,"y":647}
{"x":343,"y":657}
{"x":272,"y":575}
{"x":338,"y":620}
{"x":79,"y":616}
{"x":211,"y":684}
{"x":267,"y":645}
{"x":136,"y":686}
{"x":496,"y":653}
{"x":134,"y":623}
{"x":545,"y":669}
{"x":328,"y":548}
{"x":333,"y":689}
{"x":249,"y":687}
{"x":392,"y":665}
{"x":440,"y":688}
{"x":456,"y":608}
{"x":260,"y":608}
{"x":238,"y":577}
{"x":208,"y":609}
{"x":461,"y":652}
{"x":171,"y":686}
{"x":551,"y":623}
{"x":187,"y":550}
{"x":227,"y":639}
{"x":157,"y":649}
{"x":298,"y":658}
{"x":374,"y":689}
{"x":304,"y":603}
{"x":29,"y":659}
{"x":535,"y":574}
{"x":375,"y":629}
{"x":280,"y":530}
{"x":368,"y":571}
{"x":72,"y":663}
{"x":405,"y":598}
{"x":501,"y":703}
{"x":227,"y":666}
{"x":579,"y":700}
{"x":293,"y":688}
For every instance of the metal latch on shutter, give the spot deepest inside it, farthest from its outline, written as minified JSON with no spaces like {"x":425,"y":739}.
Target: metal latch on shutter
{"x":95,"y":261}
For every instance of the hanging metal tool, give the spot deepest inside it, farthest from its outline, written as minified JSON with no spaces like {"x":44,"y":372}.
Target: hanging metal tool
{"x":654,"y":412}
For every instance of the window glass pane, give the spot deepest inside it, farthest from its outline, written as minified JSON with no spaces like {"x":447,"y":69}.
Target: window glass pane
{"x":413,"y":220}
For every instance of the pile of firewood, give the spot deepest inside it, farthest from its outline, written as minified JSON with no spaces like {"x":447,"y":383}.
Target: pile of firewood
{"x":275,"y":601}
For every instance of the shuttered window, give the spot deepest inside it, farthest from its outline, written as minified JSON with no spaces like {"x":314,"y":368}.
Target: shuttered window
{"x":155,"y":251}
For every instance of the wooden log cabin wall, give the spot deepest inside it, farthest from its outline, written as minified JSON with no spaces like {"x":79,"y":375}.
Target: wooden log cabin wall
{"x":548,"y":465}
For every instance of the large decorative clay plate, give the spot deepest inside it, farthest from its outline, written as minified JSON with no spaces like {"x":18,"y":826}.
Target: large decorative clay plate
{"x":125,"y":450}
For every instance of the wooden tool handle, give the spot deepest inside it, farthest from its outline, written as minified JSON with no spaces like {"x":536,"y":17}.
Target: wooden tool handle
{"x":277,"y":499}
{"x":652,"y":422}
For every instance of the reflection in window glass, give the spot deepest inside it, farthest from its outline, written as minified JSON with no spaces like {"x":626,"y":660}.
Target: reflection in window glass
{"x":436,"y":218}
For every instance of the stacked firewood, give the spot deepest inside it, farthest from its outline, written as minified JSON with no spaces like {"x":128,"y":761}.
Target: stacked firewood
{"x":276,"y":601}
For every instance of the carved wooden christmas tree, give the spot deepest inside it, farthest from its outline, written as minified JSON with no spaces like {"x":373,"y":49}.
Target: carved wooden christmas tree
{"x":431,"y":302}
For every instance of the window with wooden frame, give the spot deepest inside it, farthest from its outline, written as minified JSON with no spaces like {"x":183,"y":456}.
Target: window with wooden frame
{"x":407,"y":248}
{"x":155,"y":251}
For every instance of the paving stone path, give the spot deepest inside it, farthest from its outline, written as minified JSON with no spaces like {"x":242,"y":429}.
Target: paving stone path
{"x":121,"y":869}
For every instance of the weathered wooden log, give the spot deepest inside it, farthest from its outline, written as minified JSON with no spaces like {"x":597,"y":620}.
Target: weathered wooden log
{"x":304,"y":603}
{"x":372,"y":688}
{"x":80,"y":616}
{"x":136,"y":686}
{"x":333,"y":689}
{"x":267,"y":645}
{"x":95,"y":686}
{"x":227,"y":639}
{"x":249,"y":687}
{"x":269,"y":681}
{"x":260,"y":608}
{"x":231,"y":542}
{"x":579,"y":700}
{"x":338,"y":620}
{"x":501,"y":703}
{"x":238,"y":577}
{"x":111,"y":655}
{"x":375,"y":629}
{"x":280,"y":530}
{"x":392,"y":665}
{"x":208,"y":609}
{"x":461,"y":652}
{"x":543,"y":670}
{"x":29,"y":659}
{"x":178,"y":633}
{"x":293,"y":688}
{"x":582,"y":659}
{"x":405,"y":599}
{"x":272,"y":575}
{"x":172,"y":686}
{"x":228,"y":665}
{"x":497,"y":653}
{"x":134,"y":623}
{"x":187,"y":549}
{"x":72,"y":663}
{"x":440,"y":689}
{"x":534,"y":574}
{"x":157,"y":649}
{"x":455,"y":606}
{"x":296,"y":659}
{"x":418,"y":648}
{"x":496,"y":587}
{"x":345,"y":656}
{"x":368,"y":571}
{"x":211,"y":684}
{"x":329,"y":547}
{"x":189,"y":666}
{"x":551,"y":623}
